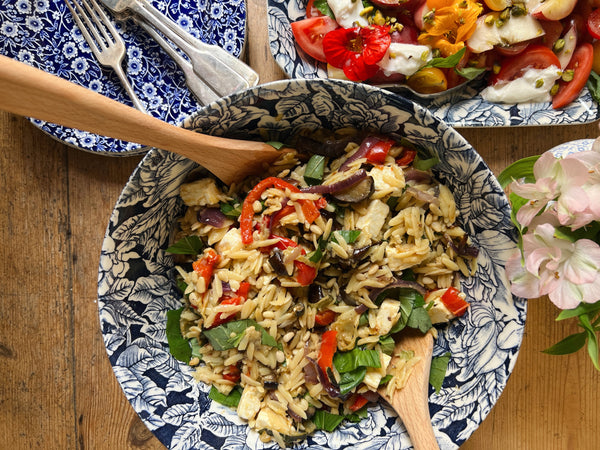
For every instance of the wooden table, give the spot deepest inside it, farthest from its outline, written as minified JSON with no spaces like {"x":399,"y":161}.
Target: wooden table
{"x":57,"y":388}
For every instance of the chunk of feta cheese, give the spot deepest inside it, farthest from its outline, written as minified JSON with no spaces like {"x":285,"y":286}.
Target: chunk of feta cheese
{"x":347,"y":12}
{"x":202,"y":192}
{"x":374,"y":375}
{"x":404,"y":58}
{"x":269,"y":419}
{"x":231,"y":241}
{"x":385,"y":317}
{"x":516,"y":29}
{"x":249,"y":404}
{"x":372,"y":222}
{"x":533,"y":86}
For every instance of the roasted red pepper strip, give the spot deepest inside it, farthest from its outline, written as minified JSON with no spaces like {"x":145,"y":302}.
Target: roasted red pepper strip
{"x":305,"y":274}
{"x":325,"y":317}
{"x":240,"y":296}
{"x":311,"y":212}
{"x":406,"y":157}
{"x":327,"y":350}
{"x":452,"y":300}
{"x":379,"y":150}
{"x":232,"y":373}
{"x":358,"y":401}
{"x":205,"y":266}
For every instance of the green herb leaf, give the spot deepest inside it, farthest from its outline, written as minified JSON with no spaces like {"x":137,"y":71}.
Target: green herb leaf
{"x":470,"y":73}
{"x":179,"y":346}
{"x":229,"y":335}
{"x":324,"y":420}
{"x":406,"y":307}
{"x":593,"y":85}
{"x":359,"y":415}
{"x":313,"y":174}
{"x":570,"y":344}
{"x":350,"y":236}
{"x":387,"y":344}
{"x":195,"y":345}
{"x":425,"y":164}
{"x":419,"y":319}
{"x":521,"y":169}
{"x":231,"y":210}
{"x":232,"y":399}
{"x":349,"y":380}
{"x":276,"y":144}
{"x":385,"y":380}
{"x":357,"y":357}
{"x":439,"y":365}
{"x":450,"y":61}
{"x":324,"y":8}
{"x":189,"y":245}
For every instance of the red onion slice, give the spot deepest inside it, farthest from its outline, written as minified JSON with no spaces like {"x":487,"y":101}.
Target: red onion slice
{"x":339,"y":186}
{"x":212,"y":216}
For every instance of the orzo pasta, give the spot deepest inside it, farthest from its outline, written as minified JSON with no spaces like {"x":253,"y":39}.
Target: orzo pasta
{"x":302,"y":279}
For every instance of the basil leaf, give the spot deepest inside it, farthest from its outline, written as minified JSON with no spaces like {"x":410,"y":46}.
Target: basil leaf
{"x":324,"y":420}
{"x":521,"y":169}
{"x":195,"y":345}
{"x":189,"y":245}
{"x":179,"y":346}
{"x":387,"y":344}
{"x":385,"y":380}
{"x":349,"y":380}
{"x":593,"y":85}
{"x":470,"y":73}
{"x":313,"y":174}
{"x":231,"y":210}
{"x":350,"y":236}
{"x":232,"y":399}
{"x":406,"y":307}
{"x":324,"y":8}
{"x":419,"y":319}
{"x":447,"y":62}
{"x":359,"y":415}
{"x":439,"y":365}
{"x":229,"y":335}
{"x":570,"y":344}
{"x":357,"y":357}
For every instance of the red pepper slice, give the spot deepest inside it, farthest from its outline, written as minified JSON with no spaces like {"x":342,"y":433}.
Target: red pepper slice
{"x":232,"y":373}
{"x":358,"y":401}
{"x":327,"y":350}
{"x":309,"y":208}
{"x":204,"y":266}
{"x":325,"y":317}
{"x":407,"y":157}
{"x":379,"y":150}
{"x":305,"y":274}
{"x":240,"y":296}
{"x":455,"y":304}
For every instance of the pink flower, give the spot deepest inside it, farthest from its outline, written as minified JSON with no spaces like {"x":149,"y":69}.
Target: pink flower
{"x":568,"y":272}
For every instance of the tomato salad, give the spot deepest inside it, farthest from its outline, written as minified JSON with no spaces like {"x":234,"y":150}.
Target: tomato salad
{"x":529,"y":50}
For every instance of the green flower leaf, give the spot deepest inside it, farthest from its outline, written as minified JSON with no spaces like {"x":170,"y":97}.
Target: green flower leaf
{"x":523,"y":168}
{"x":570,"y":344}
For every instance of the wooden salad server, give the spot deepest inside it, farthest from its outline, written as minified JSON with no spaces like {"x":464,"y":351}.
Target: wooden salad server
{"x":412,"y":402}
{"x":30,"y":92}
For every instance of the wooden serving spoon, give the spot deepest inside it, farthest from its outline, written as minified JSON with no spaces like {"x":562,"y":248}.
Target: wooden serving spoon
{"x":412,"y":402}
{"x":30,"y":92}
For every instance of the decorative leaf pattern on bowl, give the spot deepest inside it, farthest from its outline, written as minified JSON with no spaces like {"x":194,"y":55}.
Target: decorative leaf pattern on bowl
{"x":136,"y":278}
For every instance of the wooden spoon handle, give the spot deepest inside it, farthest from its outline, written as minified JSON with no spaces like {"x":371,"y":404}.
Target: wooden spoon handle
{"x":27,"y":91}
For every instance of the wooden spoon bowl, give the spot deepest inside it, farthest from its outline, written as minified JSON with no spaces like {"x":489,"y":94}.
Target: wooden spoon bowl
{"x":412,"y":402}
{"x":30,"y":92}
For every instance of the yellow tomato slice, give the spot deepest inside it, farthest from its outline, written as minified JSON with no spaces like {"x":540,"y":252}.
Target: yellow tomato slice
{"x":428,"y":81}
{"x":498,"y":5}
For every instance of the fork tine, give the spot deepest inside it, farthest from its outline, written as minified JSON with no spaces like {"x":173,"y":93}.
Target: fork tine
{"x":104,"y":40}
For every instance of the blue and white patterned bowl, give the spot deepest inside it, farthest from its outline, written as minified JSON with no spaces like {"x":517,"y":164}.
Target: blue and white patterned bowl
{"x":42,"y":33}
{"x":136,"y":276}
{"x":457,"y":107}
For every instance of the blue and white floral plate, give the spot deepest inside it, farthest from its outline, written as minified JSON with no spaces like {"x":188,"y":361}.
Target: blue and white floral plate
{"x":137,"y":287}
{"x":458,"y":108}
{"x":42,"y":33}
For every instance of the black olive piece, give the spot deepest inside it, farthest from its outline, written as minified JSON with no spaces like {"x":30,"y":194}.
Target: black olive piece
{"x":299,"y":309}
{"x":315,"y":293}
{"x":357,"y":193}
{"x":331,"y":148}
{"x":270,"y":385}
{"x":276,"y":261}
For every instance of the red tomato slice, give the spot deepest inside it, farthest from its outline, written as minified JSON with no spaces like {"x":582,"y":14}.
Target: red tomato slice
{"x":309,"y":34}
{"x":311,"y":10}
{"x":512,"y":50}
{"x":552,"y":31}
{"x":581,"y":64}
{"x":534,"y":57}
{"x":593,"y":23}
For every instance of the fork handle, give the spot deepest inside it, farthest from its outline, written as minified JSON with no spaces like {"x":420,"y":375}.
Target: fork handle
{"x":127,"y":85}
{"x":218,"y":68}
{"x":203,"y":93}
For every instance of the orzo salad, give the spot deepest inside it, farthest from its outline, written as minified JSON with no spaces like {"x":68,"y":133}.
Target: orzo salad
{"x":297,"y":283}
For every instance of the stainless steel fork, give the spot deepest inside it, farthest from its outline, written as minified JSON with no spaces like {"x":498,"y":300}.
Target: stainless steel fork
{"x":104,"y":40}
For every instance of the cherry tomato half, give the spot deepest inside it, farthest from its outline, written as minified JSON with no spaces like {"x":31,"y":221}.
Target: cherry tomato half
{"x":533,"y":57}
{"x":309,"y":34}
{"x":311,"y":10}
{"x":593,"y":23}
{"x":581,"y":65}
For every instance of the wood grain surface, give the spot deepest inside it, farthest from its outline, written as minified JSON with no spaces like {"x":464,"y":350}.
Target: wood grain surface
{"x":57,"y":389}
